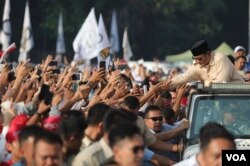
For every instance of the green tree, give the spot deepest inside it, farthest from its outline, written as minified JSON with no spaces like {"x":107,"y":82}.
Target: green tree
{"x":155,"y":27}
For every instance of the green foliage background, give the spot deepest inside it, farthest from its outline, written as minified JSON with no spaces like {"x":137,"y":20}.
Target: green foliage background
{"x":156,"y":27}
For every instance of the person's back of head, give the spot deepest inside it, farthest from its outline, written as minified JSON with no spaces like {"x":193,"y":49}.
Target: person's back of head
{"x":72,"y":124}
{"x":213,"y":131}
{"x":169,"y":115}
{"x":97,"y":113}
{"x":166,"y":95}
{"x":131,"y":103}
{"x":71,"y":130}
{"x":117,"y":116}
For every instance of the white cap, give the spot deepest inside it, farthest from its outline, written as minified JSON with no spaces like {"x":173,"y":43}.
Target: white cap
{"x":238,"y":48}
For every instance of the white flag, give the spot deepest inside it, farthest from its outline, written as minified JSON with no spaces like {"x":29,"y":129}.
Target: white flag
{"x":127,"y":52}
{"x":10,"y":49}
{"x":27,"y":41}
{"x":6,"y":26}
{"x":85,"y":42}
{"x":60,"y":45}
{"x":114,"y":35}
{"x":102,"y":40}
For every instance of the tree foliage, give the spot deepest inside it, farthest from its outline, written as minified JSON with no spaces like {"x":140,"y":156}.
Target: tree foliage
{"x":156,"y":27}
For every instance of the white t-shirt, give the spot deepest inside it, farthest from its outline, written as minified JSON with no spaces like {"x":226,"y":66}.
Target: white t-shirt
{"x":3,"y":152}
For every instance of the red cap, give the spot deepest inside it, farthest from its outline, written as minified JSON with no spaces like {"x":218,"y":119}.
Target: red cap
{"x":51,"y":123}
{"x":16,"y":125}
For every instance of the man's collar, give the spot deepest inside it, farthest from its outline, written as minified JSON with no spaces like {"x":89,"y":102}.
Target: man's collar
{"x":106,"y":149}
{"x":211,"y":62}
{"x":87,"y":141}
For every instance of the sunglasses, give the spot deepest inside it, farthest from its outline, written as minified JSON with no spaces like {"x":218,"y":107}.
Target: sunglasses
{"x":138,"y":148}
{"x":156,"y":118}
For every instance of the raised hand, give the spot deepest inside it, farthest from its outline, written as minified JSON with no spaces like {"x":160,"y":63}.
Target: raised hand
{"x":49,"y":58}
{"x":22,"y":69}
{"x":67,"y":77}
{"x":180,"y":90}
{"x":4,"y":73}
{"x":57,"y":98}
{"x":184,"y":124}
{"x":165,"y":86}
{"x":155,"y":88}
{"x":43,"y":107}
{"x":46,"y":78}
{"x":96,"y":76}
{"x":34,"y":73}
{"x":115,"y":75}
{"x":86,"y":74}
{"x":120,"y":91}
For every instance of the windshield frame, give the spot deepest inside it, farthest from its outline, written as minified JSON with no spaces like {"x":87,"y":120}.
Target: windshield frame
{"x":191,"y":136}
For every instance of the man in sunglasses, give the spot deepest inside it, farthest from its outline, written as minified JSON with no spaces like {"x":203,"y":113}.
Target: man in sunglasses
{"x":208,"y":67}
{"x":155,"y":122}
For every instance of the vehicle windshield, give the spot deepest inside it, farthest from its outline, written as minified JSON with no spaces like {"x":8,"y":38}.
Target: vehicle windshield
{"x":233,"y":112}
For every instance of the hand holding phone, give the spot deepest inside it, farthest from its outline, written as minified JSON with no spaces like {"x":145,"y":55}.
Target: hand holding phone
{"x":77,"y":77}
{"x":46,"y":94}
{"x":53,"y":63}
{"x":102,"y":64}
{"x":56,"y":71}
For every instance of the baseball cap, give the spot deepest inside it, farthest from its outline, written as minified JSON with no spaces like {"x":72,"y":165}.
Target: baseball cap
{"x":16,"y":125}
{"x":51,"y":123}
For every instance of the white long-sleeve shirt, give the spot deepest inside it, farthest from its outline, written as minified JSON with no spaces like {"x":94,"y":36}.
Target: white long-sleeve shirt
{"x":219,"y":70}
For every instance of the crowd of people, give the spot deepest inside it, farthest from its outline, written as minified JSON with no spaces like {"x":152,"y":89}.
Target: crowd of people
{"x":54,"y":115}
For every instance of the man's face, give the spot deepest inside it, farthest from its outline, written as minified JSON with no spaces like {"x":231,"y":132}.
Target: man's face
{"x":154,"y":120}
{"x":129,"y":151}
{"x":173,"y":94}
{"x":212,"y":154}
{"x":165,"y":103}
{"x":240,"y":64}
{"x":202,"y":59}
{"x":27,"y":149}
{"x":46,"y":154}
{"x":240,"y":53}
